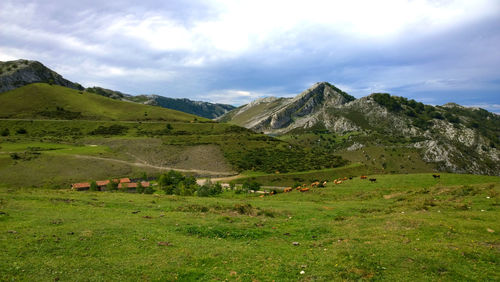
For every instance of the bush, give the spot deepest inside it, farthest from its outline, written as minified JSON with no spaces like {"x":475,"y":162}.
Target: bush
{"x":114,"y":129}
{"x":112,"y":185}
{"x":21,"y":131}
{"x":139,"y":188}
{"x":5,"y":132}
{"x":149,"y":190}
{"x":93,"y":186}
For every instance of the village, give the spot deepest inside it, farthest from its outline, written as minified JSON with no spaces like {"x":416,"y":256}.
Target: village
{"x":124,"y":184}
{"x":138,"y":186}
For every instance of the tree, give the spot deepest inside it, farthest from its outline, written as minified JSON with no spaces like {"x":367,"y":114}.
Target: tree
{"x":216,"y":189}
{"x":139,"y":188}
{"x":93,"y":186}
{"x":112,"y":185}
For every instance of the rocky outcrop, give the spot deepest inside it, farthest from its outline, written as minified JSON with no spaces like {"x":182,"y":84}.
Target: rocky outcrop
{"x":14,"y":74}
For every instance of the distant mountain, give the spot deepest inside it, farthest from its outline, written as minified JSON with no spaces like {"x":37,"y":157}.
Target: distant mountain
{"x":45,"y":101}
{"x":452,"y":137}
{"x":202,"y":109}
{"x":14,"y":74}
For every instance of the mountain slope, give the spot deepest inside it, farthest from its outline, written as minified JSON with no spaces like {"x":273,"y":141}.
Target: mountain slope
{"x":451,"y":137}
{"x":44,"y":101}
{"x":199,"y":108}
{"x":14,"y":74}
{"x":280,"y":115}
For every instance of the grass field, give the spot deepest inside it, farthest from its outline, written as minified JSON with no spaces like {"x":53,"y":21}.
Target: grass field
{"x":44,"y":101}
{"x":403,"y":227}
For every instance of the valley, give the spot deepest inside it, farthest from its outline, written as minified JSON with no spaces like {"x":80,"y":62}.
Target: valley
{"x":322,"y":186}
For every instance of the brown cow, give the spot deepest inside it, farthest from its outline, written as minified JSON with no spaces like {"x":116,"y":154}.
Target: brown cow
{"x":363,"y":177}
{"x":287,"y":189}
{"x":304,"y":189}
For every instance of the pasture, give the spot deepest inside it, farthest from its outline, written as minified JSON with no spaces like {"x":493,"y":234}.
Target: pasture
{"x":401,"y":227}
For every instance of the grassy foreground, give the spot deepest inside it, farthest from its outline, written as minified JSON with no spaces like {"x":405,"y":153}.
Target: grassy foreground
{"x":403,"y":227}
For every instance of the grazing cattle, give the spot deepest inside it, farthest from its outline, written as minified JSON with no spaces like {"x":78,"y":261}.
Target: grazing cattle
{"x":287,"y":189}
{"x":324,"y":183}
{"x":304,"y":189}
{"x":345,"y":178}
{"x":373,"y":179}
{"x":363,"y":177}
{"x":436,"y":176}
{"x":350,"y":177}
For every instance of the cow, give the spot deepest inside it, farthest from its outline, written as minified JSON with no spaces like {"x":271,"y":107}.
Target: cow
{"x":363,"y":177}
{"x":304,"y":189}
{"x":373,"y":179}
{"x":287,"y":189}
{"x":436,"y":176}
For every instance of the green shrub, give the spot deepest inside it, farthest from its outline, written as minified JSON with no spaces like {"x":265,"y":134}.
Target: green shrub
{"x":93,"y":186}
{"x":5,"y":132}
{"x":139,"y":188}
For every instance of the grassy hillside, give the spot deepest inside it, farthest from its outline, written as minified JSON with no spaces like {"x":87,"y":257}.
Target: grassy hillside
{"x":401,"y":228}
{"x":120,"y":148}
{"x":44,"y":101}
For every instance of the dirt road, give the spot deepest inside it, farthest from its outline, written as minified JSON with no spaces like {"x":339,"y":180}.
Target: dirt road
{"x":143,"y":164}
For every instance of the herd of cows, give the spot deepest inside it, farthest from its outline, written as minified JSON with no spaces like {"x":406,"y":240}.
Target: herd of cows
{"x":318,"y":184}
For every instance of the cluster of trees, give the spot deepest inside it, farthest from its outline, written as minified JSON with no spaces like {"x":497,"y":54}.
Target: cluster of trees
{"x":174,"y":183}
{"x":421,"y":113}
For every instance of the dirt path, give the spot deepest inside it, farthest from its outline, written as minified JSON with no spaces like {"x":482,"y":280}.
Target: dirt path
{"x":143,"y":164}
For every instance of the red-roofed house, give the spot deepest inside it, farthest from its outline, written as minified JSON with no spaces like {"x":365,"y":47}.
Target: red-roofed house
{"x":81,"y":186}
{"x":125,"y":180}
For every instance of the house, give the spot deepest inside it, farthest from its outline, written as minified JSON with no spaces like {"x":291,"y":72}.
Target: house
{"x":102,"y":184}
{"x":133,"y":185}
{"x":125,"y":180}
{"x":80,"y":186}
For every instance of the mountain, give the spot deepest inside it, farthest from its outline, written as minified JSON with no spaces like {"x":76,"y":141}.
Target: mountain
{"x":45,"y":101}
{"x":450,"y":137}
{"x":199,"y":108}
{"x":14,"y":74}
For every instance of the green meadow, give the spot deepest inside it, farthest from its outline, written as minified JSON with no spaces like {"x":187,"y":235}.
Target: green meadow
{"x":399,"y":228}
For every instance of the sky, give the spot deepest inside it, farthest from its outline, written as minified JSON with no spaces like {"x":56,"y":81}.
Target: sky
{"x":231,"y":51}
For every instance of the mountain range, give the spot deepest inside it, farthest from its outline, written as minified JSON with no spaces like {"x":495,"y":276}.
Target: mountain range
{"x":452,"y":137}
{"x":388,"y":132}
{"x":14,"y":74}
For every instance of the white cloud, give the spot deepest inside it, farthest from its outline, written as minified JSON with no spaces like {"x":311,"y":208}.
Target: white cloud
{"x":232,"y":97}
{"x":495,"y":108}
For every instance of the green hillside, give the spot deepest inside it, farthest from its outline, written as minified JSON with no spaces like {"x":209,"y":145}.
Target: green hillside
{"x":44,"y":101}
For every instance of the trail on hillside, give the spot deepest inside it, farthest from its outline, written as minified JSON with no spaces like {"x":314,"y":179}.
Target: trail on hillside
{"x":144,"y":164}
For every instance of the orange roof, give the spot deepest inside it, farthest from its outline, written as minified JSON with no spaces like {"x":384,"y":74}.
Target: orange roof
{"x":134,"y":184}
{"x":127,"y":185}
{"x":80,"y":185}
{"x":125,"y":180}
{"x":102,"y":182}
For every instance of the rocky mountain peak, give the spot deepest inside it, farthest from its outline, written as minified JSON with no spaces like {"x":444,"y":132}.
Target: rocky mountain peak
{"x":14,"y":74}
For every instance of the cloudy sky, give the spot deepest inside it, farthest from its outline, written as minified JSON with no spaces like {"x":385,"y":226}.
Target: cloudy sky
{"x":232,"y":51}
